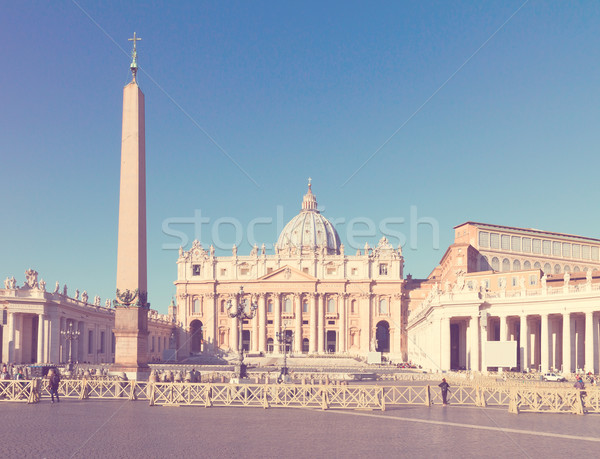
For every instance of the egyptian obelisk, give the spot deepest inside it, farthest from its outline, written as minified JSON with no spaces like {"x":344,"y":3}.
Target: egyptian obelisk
{"x":131,"y":315}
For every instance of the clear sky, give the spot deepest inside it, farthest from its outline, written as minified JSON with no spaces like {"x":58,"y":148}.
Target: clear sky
{"x":492,"y":109}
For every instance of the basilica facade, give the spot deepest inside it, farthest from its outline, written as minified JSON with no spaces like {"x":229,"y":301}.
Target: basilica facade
{"x":323,"y":300}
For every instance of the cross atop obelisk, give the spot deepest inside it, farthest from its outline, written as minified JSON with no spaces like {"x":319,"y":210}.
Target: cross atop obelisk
{"x":133,"y":65}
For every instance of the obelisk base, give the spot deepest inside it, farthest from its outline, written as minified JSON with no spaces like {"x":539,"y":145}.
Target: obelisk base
{"x":131,"y":337}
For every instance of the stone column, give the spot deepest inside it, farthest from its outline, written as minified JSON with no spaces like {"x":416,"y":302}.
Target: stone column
{"x":233,"y":326}
{"x":524,"y":343}
{"x":321,"y":324}
{"x":566,"y":343}
{"x":55,"y":340}
{"x":255,"y":327}
{"x":474,"y":343}
{"x":262,"y":326}
{"x":211,"y":311}
{"x":312,"y":344}
{"x":503,"y":328}
{"x":365,"y":319}
{"x":9,"y":338}
{"x":40,"y":341}
{"x":544,"y":343}
{"x":445,"y":345}
{"x":298,"y":328}
{"x":589,"y":341}
{"x":342,"y":323}
{"x":276,"y":323}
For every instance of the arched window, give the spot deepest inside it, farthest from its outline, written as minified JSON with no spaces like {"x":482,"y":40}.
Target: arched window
{"x":305,"y":306}
{"x":383,"y":306}
{"x":505,"y":265}
{"x":495,"y":264}
{"x":331,"y":305}
{"x":270,"y":306}
{"x":287,"y":305}
{"x":567,"y":269}
{"x":527,"y":265}
{"x":537,"y":265}
{"x":196,"y":306}
{"x":576,"y":269}
{"x":556,"y":269}
{"x":547,"y":268}
{"x":516,"y":265}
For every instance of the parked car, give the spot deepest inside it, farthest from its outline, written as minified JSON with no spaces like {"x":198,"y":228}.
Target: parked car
{"x":553,"y":377}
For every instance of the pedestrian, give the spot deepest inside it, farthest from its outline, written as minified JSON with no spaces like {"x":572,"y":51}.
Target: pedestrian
{"x":53,"y":381}
{"x":445,"y":387}
{"x":20,"y":376}
{"x":4,"y":375}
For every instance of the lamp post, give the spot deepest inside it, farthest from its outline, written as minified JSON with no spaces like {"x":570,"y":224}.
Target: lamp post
{"x":285,"y":339}
{"x":242,"y":311}
{"x":70,"y":334}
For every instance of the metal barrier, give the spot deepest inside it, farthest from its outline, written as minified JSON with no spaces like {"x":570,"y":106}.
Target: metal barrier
{"x":266,"y":396}
{"x":335,"y":396}
{"x":20,"y":391}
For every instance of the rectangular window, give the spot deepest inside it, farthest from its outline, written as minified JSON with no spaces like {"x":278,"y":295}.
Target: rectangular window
{"x":515,"y":282}
{"x":269,"y":322}
{"x":484,"y":239}
{"x":515,"y":244}
{"x":494,"y":240}
{"x":305,"y":322}
{"x":305,"y":306}
{"x":223,"y":271}
{"x":195,"y":270}
{"x":556,"y":249}
{"x":383,"y":269}
{"x":305,"y":270}
{"x":244,"y":270}
{"x":546,"y":247}
{"x":505,"y":242}
{"x":101,"y":342}
{"x":566,"y":250}
{"x":354,"y":271}
{"x":536,"y":246}
{"x":485,"y":283}
{"x":576,"y":251}
{"x":270,"y":306}
{"x":526,"y":244}
{"x":331,"y":270}
{"x":585,"y":252}
{"x":533,"y":279}
{"x":90,"y":341}
{"x":152,"y":348}
{"x":595,"y":253}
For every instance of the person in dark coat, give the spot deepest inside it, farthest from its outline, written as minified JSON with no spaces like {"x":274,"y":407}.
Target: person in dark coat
{"x":53,"y":382}
{"x":445,"y":387}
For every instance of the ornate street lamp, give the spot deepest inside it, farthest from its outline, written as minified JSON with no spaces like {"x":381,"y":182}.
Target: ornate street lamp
{"x":70,"y":334}
{"x":241,"y":312}
{"x":285,"y":339}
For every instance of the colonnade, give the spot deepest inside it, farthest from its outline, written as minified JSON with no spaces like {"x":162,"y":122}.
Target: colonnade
{"x":564,"y":341}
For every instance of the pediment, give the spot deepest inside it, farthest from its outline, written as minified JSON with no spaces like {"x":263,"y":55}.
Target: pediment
{"x":287,"y":274}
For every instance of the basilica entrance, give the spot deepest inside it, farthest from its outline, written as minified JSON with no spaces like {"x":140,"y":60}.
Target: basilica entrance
{"x":382,"y":335}
{"x":246,"y":340}
{"x":196,"y":336}
{"x":331,"y":341}
{"x":305,"y":345}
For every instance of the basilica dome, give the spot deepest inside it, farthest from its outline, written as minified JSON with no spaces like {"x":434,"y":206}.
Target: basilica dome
{"x":309,"y":230}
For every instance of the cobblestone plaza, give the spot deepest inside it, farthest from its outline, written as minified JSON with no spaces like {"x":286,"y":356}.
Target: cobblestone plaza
{"x":88,"y":428}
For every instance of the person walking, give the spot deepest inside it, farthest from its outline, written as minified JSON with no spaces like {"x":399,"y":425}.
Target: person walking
{"x":53,"y":382}
{"x":445,"y":387}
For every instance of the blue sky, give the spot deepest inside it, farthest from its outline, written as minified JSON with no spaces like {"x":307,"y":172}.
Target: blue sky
{"x":291,"y":90}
